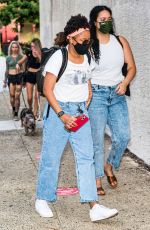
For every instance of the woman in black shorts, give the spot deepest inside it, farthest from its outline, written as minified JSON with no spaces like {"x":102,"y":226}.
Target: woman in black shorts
{"x":13,"y":76}
{"x":33,"y":58}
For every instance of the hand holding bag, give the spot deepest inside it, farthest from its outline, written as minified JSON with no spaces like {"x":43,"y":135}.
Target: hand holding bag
{"x":81,"y":120}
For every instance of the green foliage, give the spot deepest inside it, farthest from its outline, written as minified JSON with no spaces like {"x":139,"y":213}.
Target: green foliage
{"x":22,"y":11}
{"x":2,"y":54}
{"x":3,"y":1}
{"x":5,"y":17}
{"x":25,"y":46}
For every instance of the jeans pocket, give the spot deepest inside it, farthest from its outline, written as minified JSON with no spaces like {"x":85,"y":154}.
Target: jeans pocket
{"x":85,"y":109}
{"x":63,"y":105}
{"x":94,"y":87}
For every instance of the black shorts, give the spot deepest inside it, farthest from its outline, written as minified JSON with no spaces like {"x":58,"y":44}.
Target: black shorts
{"x":31,"y":77}
{"x":15,"y":79}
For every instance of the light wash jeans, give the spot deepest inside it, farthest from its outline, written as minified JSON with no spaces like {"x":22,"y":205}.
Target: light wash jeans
{"x":55,"y":138}
{"x":108,"y":108}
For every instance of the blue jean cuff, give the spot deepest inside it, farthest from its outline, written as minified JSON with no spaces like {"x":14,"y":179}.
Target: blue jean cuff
{"x":101,"y":176}
{"x":48,"y":200}
{"x":109,"y":162}
{"x":88,"y":201}
{"x":114,"y":166}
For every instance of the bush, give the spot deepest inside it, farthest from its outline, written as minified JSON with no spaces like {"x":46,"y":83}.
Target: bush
{"x":25,"y":46}
{"x":2,"y":54}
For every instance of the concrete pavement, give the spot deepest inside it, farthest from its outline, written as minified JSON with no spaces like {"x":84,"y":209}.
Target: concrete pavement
{"x":18,"y":172}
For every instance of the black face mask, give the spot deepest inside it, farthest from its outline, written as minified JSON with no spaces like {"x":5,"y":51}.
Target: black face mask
{"x":81,"y":49}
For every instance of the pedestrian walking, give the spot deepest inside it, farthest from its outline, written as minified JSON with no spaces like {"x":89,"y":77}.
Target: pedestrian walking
{"x":111,"y":54}
{"x":33,"y":59}
{"x":13,"y":76}
{"x":69,"y":98}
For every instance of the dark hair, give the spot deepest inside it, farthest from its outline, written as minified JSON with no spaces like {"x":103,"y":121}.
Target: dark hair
{"x":60,"y":39}
{"x":75,"y":22}
{"x":37,"y":43}
{"x":93,"y":17}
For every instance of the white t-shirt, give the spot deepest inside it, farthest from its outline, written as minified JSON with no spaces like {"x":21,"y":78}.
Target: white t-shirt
{"x":73,"y":84}
{"x":109,"y":70}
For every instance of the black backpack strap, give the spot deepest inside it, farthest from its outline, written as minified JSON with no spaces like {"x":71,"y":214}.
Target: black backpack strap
{"x":124,"y":68}
{"x":48,"y":109}
{"x":89,"y":57}
{"x":61,"y":71}
{"x":46,"y":54}
{"x":117,"y":37}
{"x":64,"y":62}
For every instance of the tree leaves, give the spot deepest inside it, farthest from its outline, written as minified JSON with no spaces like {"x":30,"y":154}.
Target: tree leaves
{"x":21,"y":11}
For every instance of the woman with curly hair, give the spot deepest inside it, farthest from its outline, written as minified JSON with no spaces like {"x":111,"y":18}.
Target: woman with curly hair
{"x":68,"y":98}
{"x":13,"y":76}
{"x":109,"y":86}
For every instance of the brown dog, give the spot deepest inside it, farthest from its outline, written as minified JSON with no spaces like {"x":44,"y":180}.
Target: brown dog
{"x":28,"y":121}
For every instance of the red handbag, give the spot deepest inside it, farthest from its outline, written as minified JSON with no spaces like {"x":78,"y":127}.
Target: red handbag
{"x":81,"y":120}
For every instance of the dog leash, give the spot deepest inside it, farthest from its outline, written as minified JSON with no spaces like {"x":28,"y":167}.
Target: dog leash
{"x":23,"y":99}
{"x":39,"y":109}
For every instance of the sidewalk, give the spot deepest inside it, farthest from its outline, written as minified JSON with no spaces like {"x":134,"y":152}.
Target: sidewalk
{"x":18,"y":172}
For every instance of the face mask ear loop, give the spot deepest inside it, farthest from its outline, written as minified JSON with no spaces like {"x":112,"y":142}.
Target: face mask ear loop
{"x":74,"y":39}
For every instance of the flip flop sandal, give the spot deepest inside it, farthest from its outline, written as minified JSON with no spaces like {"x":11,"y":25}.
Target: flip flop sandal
{"x":100,"y":191}
{"x":111,"y":180}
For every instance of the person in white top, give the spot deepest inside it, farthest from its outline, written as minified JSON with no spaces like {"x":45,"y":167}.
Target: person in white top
{"x":109,"y":85}
{"x":68,"y":98}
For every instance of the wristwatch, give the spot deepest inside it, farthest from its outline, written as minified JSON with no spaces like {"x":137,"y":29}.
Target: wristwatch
{"x":61,"y":113}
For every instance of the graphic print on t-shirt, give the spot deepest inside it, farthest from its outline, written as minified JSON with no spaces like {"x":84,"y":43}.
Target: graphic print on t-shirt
{"x":76,"y":77}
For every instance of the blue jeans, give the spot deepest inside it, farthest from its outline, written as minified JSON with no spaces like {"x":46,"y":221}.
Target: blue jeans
{"x":55,"y":138}
{"x":108,"y":108}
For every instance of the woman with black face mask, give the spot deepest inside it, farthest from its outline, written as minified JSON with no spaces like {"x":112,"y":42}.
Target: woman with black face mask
{"x":69,"y":98}
{"x":109,"y":85}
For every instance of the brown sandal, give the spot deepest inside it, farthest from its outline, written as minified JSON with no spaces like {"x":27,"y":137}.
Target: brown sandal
{"x":100,"y":191}
{"x":111,"y":180}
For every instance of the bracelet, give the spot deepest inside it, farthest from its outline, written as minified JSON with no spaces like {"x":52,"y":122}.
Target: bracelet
{"x":18,"y":64}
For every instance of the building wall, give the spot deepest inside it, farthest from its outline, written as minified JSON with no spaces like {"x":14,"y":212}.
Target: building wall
{"x":132,"y":21}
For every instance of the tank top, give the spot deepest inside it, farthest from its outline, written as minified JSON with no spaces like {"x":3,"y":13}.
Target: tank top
{"x":11,"y":62}
{"x":32,"y":62}
{"x":109,"y":70}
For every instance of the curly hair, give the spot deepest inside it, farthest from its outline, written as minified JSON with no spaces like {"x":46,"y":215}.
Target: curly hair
{"x":60,"y":40}
{"x":74,"y":23}
{"x":93,"y":17}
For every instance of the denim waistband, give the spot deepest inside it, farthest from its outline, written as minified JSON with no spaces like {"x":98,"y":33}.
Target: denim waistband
{"x":72,"y":103}
{"x":68,"y":107}
{"x":104,"y":87}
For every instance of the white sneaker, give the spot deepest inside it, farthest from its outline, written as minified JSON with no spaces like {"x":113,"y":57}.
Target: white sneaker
{"x":43,"y":209}
{"x":100,"y":212}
